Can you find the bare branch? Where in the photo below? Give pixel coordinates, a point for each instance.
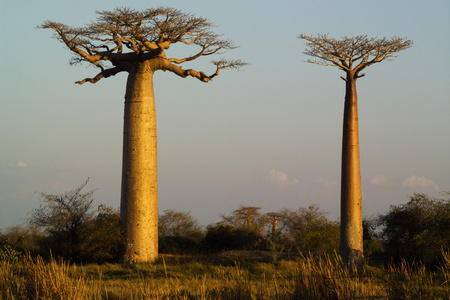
(125, 36)
(103, 74)
(352, 54)
(221, 64)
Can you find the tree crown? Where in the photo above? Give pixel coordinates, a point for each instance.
(352, 54)
(65, 212)
(122, 37)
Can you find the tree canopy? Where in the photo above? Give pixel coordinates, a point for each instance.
(123, 36)
(352, 54)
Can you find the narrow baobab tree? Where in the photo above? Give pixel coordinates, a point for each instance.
(136, 42)
(351, 55)
(274, 217)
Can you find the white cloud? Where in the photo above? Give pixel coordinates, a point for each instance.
(414, 181)
(379, 180)
(327, 183)
(279, 178)
(21, 164)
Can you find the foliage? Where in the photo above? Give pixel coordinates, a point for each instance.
(22, 239)
(73, 231)
(246, 217)
(179, 232)
(372, 242)
(180, 224)
(63, 217)
(242, 229)
(417, 230)
(102, 237)
(8, 253)
(308, 230)
(221, 237)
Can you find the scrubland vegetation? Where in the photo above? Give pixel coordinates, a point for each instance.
(69, 251)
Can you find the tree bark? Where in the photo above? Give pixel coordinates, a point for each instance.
(139, 196)
(351, 207)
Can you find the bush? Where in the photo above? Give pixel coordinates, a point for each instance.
(179, 233)
(178, 245)
(221, 237)
(102, 238)
(418, 230)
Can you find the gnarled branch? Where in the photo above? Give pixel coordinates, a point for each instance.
(221, 64)
(146, 35)
(103, 74)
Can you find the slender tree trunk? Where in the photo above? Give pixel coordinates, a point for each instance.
(351, 210)
(274, 229)
(139, 197)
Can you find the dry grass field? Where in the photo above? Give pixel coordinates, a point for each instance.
(231, 275)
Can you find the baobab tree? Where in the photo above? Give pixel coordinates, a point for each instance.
(247, 217)
(274, 217)
(351, 55)
(136, 42)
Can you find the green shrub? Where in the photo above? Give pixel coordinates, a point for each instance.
(221, 237)
(418, 230)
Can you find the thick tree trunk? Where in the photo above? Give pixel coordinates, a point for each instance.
(139, 197)
(351, 210)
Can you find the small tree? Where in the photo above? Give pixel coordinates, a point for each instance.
(136, 42)
(63, 217)
(351, 55)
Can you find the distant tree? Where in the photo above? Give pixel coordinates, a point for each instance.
(63, 217)
(181, 224)
(136, 42)
(419, 229)
(308, 230)
(351, 55)
(242, 229)
(246, 217)
(179, 232)
(101, 238)
(274, 217)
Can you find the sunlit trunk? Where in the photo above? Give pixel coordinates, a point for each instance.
(139, 197)
(351, 210)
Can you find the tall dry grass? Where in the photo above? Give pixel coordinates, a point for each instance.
(33, 278)
(305, 278)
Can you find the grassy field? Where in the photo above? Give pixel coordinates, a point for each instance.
(231, 275)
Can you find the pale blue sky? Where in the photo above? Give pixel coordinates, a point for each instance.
(269, 136)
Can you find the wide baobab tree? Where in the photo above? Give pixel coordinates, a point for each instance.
(352, 55)
(137, 42)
